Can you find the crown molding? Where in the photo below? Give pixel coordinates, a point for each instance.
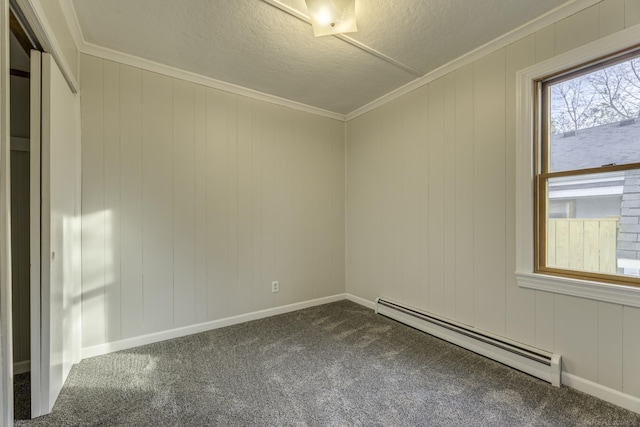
(156, 67)
(524, 30)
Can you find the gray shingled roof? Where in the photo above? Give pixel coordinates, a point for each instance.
(596, 146)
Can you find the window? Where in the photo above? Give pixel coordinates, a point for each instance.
(588, 191)
(587, 172)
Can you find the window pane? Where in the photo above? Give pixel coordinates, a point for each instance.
(593, 118)
(593, 223)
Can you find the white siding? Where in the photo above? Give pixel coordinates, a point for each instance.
(194, 200)
(466, 203)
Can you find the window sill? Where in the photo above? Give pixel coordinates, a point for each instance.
(616, 294)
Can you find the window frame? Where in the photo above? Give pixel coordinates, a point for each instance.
(528, 122)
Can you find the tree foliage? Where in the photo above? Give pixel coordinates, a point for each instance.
(605, 96)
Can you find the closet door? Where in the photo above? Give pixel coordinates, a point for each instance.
(59, 235)
(34, 206)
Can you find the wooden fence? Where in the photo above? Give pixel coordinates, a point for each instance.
(582, 244)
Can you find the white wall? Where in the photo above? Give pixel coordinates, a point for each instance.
(431, 209)
(194, 200)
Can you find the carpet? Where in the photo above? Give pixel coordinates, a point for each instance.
(337, 364)
(22, 396)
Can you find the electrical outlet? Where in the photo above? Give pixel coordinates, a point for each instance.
(275, 286)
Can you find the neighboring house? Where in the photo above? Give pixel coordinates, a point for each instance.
(615, 194)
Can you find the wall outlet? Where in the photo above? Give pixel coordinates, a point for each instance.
(275, 286)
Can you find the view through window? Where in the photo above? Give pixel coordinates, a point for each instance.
(588, 179)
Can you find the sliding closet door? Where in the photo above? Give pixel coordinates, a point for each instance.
(34, 206)
(60, 234)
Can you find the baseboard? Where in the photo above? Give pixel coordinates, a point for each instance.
(21, 367)
(538, 363)
(607, 394)
(361, 301)
(100, 349)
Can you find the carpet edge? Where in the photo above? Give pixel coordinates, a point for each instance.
(110, 347)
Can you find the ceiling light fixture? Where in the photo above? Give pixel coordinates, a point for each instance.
(329, 17)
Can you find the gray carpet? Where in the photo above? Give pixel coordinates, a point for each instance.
(22, 396)
(334, 365)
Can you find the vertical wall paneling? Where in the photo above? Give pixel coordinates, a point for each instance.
(231, 289)
(218, 268)
(267, 168)
(489, 192)
(544, 320)
(245, 207)
(449, 204)
(378, 178)
(464, 200)
(93, 203)
(194, 200)
(337, 226)
(112, 290)
(520, 308)
(363, 241)
(545, 43)
(631, 13)
(311, 208)
(422, 295)
(610, 333)
(322, 211)
(259, 285)
(131, 201)
(157, 196)
(184, 232)
(324, 230)
(315, 210)
(630, 351)
(611, 17)
(200, 206)
(576, 329)
(412, 170)
(435, 190)
(578, 29)
(299, 202)
(311, 211)
(391, 168)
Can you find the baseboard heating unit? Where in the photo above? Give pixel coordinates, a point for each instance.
(538, 363)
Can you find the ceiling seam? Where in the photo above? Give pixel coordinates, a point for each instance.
(378, 54)
(365, 48)
(87, 48)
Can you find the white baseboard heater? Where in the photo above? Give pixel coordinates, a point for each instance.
(535, 362)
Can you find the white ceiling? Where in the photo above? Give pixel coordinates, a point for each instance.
(257, 45)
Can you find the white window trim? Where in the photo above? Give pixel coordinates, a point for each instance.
(525, 95)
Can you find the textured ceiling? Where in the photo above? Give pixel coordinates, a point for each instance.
(256, 45)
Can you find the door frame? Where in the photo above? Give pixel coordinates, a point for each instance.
(6, 335)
